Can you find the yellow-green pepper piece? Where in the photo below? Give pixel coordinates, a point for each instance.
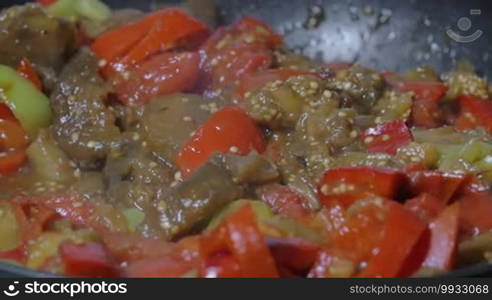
(30, 106)
(72, 10)
(262, 212)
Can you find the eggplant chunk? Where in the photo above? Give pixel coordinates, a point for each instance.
(194, 201)
(133, 176)
(168, 122)
(84, 126)
(360, 87)
(27, 32)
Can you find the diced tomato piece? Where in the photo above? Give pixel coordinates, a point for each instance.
(472, 185)
(444, 237)
(401, 232)
(378, 233)
(161, 75)
(251, 82)
(426, 206)
(230, 64)
(387, 137)
(441, 185)
(247, 31)
(426, 114)
(13, 141)
(70, 205)
(283, 200)
(87, 260)
(172, 28)
(362, 230)
(236, 51)
(27, 71)
(296, 255)
(475, 112)
(339, 65)
(17, 255)
(239, 236)
(222, 265)
(161, 267)
(131, 248)
(423, 90)
(229, 128)
(476, 210)
(6, 113)
(359, 182)
(46, 3)
(131, 44)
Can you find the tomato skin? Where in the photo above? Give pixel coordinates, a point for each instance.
(46, 3)
(229, 127)
(6, 113)
(294, 254)
(162, 267)
(426, 206)
(423, 90)
(165, 34)
(251, 82)
(401, 232)
(387, 137)
(69, 205)
(283, 200)
(475, 112)
(359, 182)
(444, 238)
(27, 71)
(476, 210)
(222, 265)
(230, 64)
(129, 45)
(439, 184)
(161, 75)
(239, 236)
(13, 141)
(87, 260)
(426, 114)
(236, 51)
(337, 66)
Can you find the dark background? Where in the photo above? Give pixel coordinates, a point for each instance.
(413, 34)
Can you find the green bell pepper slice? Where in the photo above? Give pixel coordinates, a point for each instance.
(30, 106)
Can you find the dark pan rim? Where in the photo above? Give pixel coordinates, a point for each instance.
(13, 271)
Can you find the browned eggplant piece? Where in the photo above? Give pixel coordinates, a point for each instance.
(83, 125)
(27, 32)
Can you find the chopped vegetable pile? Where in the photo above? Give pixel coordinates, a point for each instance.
(150, 145)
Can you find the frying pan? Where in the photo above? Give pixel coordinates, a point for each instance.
(382, 34)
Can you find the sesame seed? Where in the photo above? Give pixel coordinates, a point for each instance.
(187, 119)
(368, 140)
(354, 134)
(325, 190)
(102, 63)
(327, 94)
(152, 164)
(385, 137)
(314, 85)
(75, 137)
(126, 76)
(234, 149)
(178, 176)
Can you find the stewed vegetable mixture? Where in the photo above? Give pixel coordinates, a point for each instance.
(150, 145)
